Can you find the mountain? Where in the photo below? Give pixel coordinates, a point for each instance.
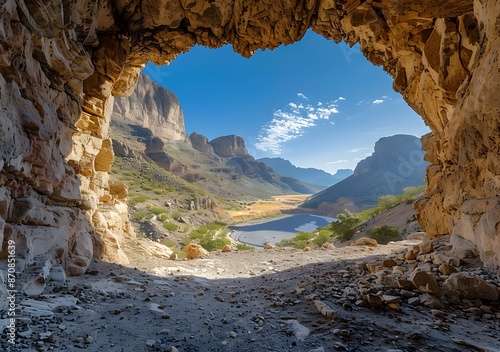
(153, 107)
(311, 175)
(151, 122)
(397, 162)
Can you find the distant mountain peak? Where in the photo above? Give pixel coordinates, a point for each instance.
(397, 162)
(311, 175)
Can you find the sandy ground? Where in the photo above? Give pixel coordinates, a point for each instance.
(241, 301)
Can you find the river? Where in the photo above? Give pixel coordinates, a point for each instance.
(273, 231)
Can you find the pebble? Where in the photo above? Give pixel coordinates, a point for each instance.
(232, 334)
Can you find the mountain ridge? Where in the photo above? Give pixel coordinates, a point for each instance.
(397, 162)
(311, 175)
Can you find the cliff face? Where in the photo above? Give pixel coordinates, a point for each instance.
(62, 62)
(229, 146)
(397, 162)
(153, 107)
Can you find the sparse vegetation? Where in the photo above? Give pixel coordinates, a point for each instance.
(212, 236)
(384, 234)
(170, 226)
(244, 247)
(157, 210)
(138, 198)
(140, 215)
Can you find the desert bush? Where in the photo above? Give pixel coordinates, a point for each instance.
(345, 225)
(176, 215)
(384, 234)
(170, 226)
(211, 244)
(157, 210)
(244, 247)
(138, 198)
(322, 238)
(140, 215)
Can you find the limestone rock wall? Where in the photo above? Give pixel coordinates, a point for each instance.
(61, 63)
(154, 107)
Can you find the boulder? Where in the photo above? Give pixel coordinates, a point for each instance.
(471, 287)
(426, 283)
(194, 251)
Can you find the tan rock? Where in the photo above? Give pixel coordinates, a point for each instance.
(226, 248)
(471, 287)
(387, 263)
(446, 269)
(194, 251)
(268, 246)
(328, 245)
(426, 283)
(365, 241)
(325, 309)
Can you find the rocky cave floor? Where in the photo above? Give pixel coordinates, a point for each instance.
(356, 298)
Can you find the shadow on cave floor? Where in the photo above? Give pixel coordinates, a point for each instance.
(240, 301)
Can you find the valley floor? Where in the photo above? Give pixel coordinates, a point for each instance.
(248, 301)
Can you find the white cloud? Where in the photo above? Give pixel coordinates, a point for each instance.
(337, 162)
(341, 98)
(291, 122)
(356, 150)
(377, 101)
(385, 97)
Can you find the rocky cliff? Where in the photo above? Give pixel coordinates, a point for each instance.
(397, 162)
(229, 146)
(61, 64)
(153, 107)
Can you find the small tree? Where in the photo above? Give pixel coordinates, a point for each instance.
(344, 227)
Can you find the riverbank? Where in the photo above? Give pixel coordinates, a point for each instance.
(257, 234)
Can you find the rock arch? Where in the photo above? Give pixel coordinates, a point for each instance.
(62, 61)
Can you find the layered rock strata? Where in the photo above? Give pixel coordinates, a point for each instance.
(61, 63)
(154, 108)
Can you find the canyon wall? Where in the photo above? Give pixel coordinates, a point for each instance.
(154, 107)
(61, 63)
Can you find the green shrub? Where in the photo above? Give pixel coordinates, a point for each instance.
(344, 227)
(244, 247)
(299, 244)
(170, 226)
(176, 215)
(322, 238)
(384, 234)
(138, 198)
(162, 217)
(211, 244)
(140, 215)
(157, 210)
(180, 254)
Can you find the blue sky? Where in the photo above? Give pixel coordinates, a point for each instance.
(315, 103)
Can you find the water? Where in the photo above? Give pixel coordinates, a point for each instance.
(274, 231)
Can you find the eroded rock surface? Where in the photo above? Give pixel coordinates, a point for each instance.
(61, 63)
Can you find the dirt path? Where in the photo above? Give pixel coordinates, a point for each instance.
(267, 300)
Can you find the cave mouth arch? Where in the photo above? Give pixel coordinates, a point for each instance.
(68, 59)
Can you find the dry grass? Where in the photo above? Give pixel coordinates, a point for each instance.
(263, 208)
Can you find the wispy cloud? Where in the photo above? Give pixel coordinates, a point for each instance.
(341, 98)
(356, 150)
(378, 101)
(337, 162)
(291, 122)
